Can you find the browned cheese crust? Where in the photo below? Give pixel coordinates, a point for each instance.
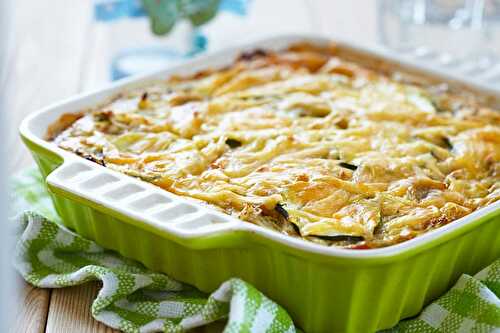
(304, 143)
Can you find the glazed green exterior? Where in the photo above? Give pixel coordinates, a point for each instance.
(322, 293)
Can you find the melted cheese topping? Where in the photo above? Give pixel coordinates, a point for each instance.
(304, 143)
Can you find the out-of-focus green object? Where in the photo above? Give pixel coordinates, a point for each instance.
(165, 13)
(200, 12)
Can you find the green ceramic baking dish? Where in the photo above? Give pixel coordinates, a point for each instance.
(324, 289)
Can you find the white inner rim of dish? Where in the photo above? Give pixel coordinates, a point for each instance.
(177, 215)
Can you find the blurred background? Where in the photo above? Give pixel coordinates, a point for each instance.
(63, 47)
(55, 49)
(7, 288)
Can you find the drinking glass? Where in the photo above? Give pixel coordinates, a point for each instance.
(453, 33)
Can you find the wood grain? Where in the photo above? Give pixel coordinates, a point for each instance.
(31, 308)
(70, 310)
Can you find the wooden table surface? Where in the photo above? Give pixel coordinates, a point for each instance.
(58, 51)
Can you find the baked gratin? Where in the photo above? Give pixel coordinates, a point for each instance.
(304, 143)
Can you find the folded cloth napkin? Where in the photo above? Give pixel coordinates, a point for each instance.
(135, 299)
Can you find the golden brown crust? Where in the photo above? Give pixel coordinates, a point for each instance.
(64, 121)
(305, 143)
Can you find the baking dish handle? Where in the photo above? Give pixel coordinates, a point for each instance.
(136, 201)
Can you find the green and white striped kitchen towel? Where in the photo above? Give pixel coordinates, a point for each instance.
(134, 299)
